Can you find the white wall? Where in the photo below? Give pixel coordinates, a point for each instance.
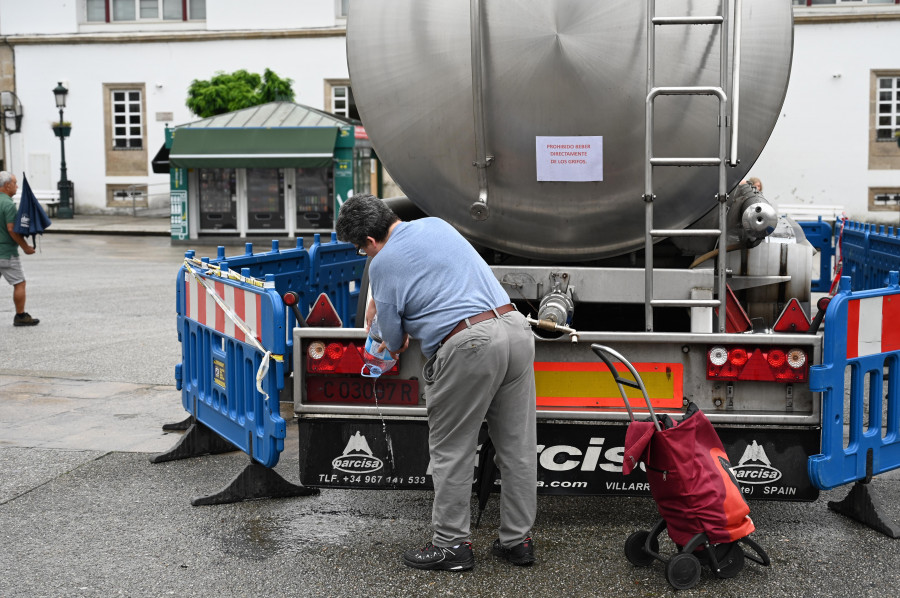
(21, 17)
(269, 14)
(819, 151)
(167, 69)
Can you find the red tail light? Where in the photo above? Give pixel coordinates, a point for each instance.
(333, 376)
(334, 351)
(738, 357)
(337, 357)
(772, 364)
(775, 358)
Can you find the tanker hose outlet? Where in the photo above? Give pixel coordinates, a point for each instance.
(758, 221)
(479, 211)
(556, 307)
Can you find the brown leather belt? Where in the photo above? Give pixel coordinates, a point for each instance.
(485, 315)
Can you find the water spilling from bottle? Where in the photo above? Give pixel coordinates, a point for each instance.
(376, 363)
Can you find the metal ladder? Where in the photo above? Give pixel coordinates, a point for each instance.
(721, 21)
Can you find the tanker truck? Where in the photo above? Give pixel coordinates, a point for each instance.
(593, 153)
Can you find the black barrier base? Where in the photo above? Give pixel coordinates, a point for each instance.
(865, 505)
(179, 426)
(199, 440)
(256, 481)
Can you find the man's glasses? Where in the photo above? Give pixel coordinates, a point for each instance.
(361, 251)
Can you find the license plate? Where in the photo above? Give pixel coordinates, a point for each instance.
(390, 391)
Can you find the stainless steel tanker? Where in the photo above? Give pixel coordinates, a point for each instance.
(454, 96)
(468, 105)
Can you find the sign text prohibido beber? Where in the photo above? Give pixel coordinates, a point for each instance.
(576, 159)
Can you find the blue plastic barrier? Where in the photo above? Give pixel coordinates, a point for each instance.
(218, 373)
(337, 271)
(869, 344)
(333, 268)
(820, 235)
(869, 253)
(289, 267)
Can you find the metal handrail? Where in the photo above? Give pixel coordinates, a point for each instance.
(735, 83)
(479, 209)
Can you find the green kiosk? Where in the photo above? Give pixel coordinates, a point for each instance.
(276, 170)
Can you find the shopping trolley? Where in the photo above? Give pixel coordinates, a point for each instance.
(697, 495)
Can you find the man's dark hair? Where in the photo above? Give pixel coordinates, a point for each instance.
(364, 216)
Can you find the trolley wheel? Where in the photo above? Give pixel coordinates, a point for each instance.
(683, 571)
(634, 548)
(731, 559)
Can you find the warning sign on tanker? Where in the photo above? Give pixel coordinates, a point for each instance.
(578, 159)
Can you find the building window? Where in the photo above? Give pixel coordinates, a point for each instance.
(126, 196)
(196, 10)
(105, 11)
(888, 108)
(847, 2)
(124, 128)
(341, 7)
(96, 11)
(339, 99)
(883, 199)
(341, 96)
(128, 128)
(884, 119)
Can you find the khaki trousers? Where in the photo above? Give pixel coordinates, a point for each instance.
(485, 372)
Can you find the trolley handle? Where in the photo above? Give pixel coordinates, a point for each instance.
(601, 351)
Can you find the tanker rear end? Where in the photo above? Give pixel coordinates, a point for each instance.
(467, 106)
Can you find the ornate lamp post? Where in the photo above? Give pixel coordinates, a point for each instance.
(62, 131)
(12, 122)
(12, 112)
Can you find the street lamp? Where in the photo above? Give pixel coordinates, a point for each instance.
(12, 112)
(65, 188)
(12, 123)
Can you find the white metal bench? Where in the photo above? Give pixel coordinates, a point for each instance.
(49, 200)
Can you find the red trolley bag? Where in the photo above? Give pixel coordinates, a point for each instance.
(696, 493)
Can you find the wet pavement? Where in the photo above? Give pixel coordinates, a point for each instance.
(143, 222)
(83, 511)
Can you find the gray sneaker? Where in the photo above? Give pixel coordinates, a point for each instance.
(24, 319)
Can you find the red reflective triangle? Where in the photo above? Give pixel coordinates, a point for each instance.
(792, 318)
(352, 361)
(323, 314)
(736, 319)
(757, 368)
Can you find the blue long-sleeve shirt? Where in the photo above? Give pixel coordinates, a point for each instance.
(425, 280)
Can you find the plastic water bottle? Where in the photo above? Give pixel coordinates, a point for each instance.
(376, 363)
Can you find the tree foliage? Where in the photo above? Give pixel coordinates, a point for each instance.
(226, 92)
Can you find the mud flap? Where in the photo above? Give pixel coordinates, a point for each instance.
(573, 459)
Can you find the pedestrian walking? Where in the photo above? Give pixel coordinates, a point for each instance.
(429, 283)
(10, 243)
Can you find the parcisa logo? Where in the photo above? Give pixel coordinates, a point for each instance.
(755, 467)
(357, 457)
